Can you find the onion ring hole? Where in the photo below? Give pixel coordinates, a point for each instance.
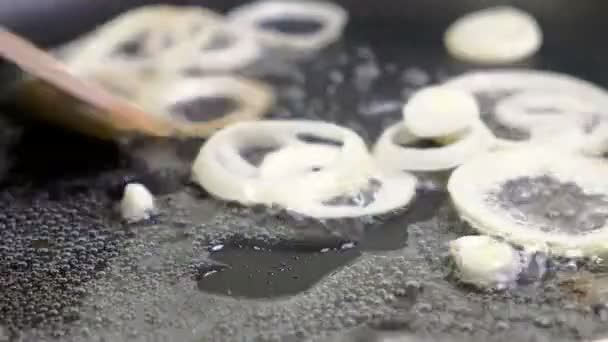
(291, 26)
(133, 47)
(208, 103)
(203, 109)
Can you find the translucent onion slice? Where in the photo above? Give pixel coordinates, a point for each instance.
(439, 111)
(535, 110)
(393, 153)
(494, 35)
(222, 170)
(501, 81)
(486, 262)
(151, 30)
(252, 98)
(473, 187)
(296, 161)
(331, 18)
(540, 102)
(228, 49)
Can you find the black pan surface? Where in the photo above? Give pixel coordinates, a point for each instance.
(207, 271)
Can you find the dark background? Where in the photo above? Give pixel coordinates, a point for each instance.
(576, 23)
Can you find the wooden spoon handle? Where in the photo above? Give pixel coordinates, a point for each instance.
(49, 90)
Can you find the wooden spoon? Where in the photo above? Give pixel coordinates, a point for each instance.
(44, 87)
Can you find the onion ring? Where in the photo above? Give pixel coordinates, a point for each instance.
(237, 49)
(156, 29)
(395, 190)
(466, 145)
(534, 110)
(525, 89)
(253, 100)
(331, 17)
(475, 188)
(439, 111)
(223, 171)
(494, 35)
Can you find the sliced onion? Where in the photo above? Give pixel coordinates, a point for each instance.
(396, 191)
(331, 17)
(534, 110)
(392, 153)
(296, 161)
(240, 50)
(439, 111)
(253, 100)
(471, 187)
(500, 81)
(221, 169)
(521, 93)
(486, 262)
(157, 29)
(494, 35)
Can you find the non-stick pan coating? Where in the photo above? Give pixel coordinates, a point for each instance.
(70, 270)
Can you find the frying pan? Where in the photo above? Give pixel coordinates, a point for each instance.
(70, 271)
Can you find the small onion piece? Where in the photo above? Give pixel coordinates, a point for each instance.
(394, 191)
(251, 17)
(542, 103)
(494, 35)
(222, 170)
(391, 150)
(137, 203)
(440, 111)
(486, 262)
(474, 185)
(253, 99)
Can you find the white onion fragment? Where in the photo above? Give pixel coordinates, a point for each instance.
(300, 175)
(440, 111)
(493, 36)
(393, 153)
(137, 203)
(253, 99)
(486, 262)
(470, 185)
(332, 19)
